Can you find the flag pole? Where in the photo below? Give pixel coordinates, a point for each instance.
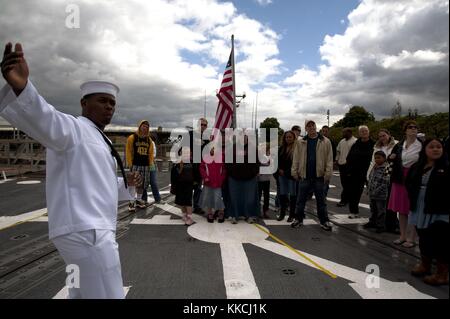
(256, 111)
(253, 114)
(234, 84)
(204, 110)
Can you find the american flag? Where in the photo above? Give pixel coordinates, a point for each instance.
(224, 114)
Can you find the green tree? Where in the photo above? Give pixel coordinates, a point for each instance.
(435, 125)
(357, 115)
(271, 122)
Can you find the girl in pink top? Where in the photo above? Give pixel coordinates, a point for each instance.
(212, 170)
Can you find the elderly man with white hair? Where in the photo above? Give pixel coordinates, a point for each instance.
(358, 161)
(82, 187)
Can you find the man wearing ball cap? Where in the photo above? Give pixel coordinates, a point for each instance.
(312, 166)
(82, 187)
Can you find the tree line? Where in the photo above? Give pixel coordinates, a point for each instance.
(435, 125)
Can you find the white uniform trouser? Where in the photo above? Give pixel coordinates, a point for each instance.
(96, 253)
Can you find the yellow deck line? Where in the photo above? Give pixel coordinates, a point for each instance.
(23, 221)
(329, 273)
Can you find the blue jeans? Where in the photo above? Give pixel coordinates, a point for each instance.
(306, 186)
(226, 198)
(154, 187)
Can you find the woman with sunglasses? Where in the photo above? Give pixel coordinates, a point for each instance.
(403, 156)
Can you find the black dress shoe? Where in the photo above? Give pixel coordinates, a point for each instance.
(280, 217)
(341, 204)
(290, 219)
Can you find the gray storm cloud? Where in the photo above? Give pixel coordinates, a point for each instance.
(399, 52)
(391, 51)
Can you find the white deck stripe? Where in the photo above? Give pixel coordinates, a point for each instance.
(331, 199)
(64, 293)
(273, 222)
(238, 276)
(7, 180)
(343, 219)
(7, 221)
(157, 220)
(387, 289)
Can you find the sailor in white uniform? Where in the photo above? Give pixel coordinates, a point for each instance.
(82, 186)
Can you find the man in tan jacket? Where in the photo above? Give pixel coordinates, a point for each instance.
(312, 166)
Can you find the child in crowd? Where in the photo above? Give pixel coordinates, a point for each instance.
(212, 170)
(185, 185)
(378, 193)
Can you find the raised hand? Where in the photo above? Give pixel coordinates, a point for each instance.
(15, 68)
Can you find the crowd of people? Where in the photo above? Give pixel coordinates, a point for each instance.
(401, 178)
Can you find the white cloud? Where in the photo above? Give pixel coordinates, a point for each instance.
(165, 53)
(263, 2)
(141, 46)
(408, 60)
(391, 50)
(301, 77)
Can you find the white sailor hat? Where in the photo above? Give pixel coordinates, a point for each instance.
(91, 87)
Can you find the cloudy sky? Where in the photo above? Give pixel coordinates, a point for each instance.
(298, 57)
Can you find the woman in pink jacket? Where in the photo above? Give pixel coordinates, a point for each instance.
(213, 174)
